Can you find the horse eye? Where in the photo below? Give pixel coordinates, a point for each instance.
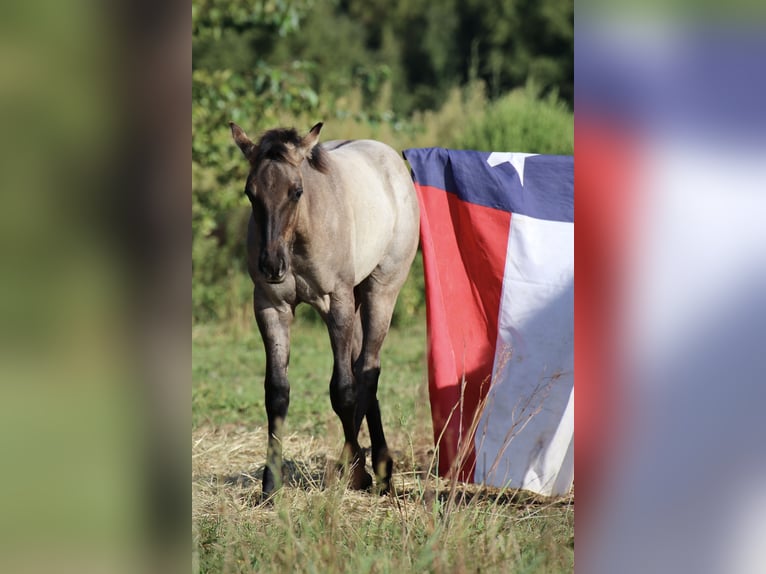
(298, 192)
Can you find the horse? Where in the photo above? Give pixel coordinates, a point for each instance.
(334, 225)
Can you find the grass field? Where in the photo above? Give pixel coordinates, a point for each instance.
(315, 524)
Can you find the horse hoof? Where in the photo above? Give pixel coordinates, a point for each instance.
(269, 487)
(361, 481)
(268, 494)
(383, 488)
(267, 499)
(384, 485)
(358, 478)
(384, 467)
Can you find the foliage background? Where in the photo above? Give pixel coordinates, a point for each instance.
(475, 74)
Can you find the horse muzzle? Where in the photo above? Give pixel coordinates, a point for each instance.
(273, 267)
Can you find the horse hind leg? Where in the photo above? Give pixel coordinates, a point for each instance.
(356, 345)
(376, 311)
(341, 320)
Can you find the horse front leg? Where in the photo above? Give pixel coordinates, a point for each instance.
(274, 324)
(343, 391)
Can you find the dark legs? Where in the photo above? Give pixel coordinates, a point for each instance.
(356, 342)
(343, 389)
(375, 318)
(274, 325)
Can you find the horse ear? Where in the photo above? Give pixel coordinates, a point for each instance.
(311, 139)
(240, 138)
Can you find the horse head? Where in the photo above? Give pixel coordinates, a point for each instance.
(275, 187)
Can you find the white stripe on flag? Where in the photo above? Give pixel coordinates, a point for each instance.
(526, 432)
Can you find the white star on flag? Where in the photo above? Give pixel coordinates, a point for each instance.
(515, 159)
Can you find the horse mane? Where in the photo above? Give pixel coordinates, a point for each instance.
(273, 145)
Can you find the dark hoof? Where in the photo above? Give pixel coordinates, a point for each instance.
(358, 478)
(271, 484)
(384, 467)
(361, 481)
(268, 494)
(267, 499)
(384, 486)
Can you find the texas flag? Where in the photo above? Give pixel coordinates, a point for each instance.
(497, 234)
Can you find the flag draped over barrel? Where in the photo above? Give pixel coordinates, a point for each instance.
(497, 235)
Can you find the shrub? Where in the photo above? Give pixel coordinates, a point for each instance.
(521, 121)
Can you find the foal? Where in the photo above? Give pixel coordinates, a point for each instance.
(336, 226)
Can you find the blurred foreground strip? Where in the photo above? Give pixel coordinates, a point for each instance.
(671, 296)
(89, 306)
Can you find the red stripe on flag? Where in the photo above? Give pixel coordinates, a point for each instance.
(464, 251)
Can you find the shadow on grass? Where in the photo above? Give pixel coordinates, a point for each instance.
(307, 475)
(416, 485)
(476, 493)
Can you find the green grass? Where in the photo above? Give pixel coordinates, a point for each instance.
(317, 525)
(228, 369)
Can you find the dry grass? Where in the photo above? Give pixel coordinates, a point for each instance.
(315, 524)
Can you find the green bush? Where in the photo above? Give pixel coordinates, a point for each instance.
(521, 121)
